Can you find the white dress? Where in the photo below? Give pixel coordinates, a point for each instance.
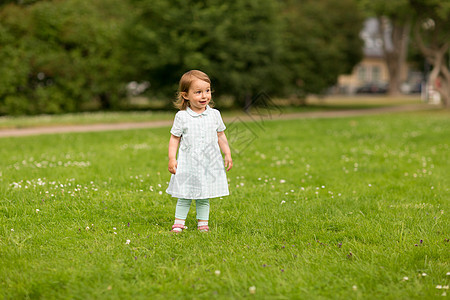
(200, 172)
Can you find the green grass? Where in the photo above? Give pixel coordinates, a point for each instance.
(314, 104)
(325, 208)
(83, 119)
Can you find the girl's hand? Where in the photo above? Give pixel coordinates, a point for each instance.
(228, 162)
(173, 166)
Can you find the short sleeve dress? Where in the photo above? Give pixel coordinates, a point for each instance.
(200, 172)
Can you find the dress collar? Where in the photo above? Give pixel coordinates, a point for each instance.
(194, 114)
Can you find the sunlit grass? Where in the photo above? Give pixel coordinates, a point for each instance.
(332, 208)
(314, 104)
(83, 119)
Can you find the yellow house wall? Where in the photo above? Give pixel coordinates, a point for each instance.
(370, 69)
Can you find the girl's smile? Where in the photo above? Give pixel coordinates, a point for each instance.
(199, 95)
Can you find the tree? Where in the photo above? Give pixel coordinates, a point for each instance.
(432, 35)
(61, 56)
(18, 2)
(322, 41)
(236, 42)
(395, 19)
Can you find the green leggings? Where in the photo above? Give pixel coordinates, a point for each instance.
(183, 206)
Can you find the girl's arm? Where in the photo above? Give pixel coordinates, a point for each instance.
(173, 147)
(223, 144)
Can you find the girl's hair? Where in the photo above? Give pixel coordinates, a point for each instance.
(185, 83)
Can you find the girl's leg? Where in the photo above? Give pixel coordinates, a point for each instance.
(202, 206)
(181, 213)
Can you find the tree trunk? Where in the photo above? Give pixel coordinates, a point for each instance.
(248, 102)
(444, 79)
(395, 37)
(105, 101)
(440, 74)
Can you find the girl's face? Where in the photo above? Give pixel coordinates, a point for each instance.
(199, 95)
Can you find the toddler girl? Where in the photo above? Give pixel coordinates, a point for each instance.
(197, 133)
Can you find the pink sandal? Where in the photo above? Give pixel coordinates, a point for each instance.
(203, 228)
(176, 226)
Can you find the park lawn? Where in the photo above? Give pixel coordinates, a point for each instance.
(314, 105)
(86, 118)
(350, 208)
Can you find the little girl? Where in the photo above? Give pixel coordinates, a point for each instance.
(197, 133)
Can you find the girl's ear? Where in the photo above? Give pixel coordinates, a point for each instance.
(184, 96)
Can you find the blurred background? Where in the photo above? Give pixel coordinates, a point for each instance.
(109, 55)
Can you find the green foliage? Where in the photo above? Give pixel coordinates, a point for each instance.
(322, 42)
(436, 33)
(60, 56)
(247, 46)
(63, 56)
(342, 208)
(18, 2)
(397, 10)
(237, 43)
(247, 49)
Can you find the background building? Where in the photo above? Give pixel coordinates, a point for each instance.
(371, 74)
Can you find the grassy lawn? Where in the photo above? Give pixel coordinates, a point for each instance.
(349, 208)
(314, 104)
(83, 119)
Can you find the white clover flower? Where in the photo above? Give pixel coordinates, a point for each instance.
(37, 210)
(12, 229)
(448, 274)
(424, 274)
(217, 272)
(127, 242)
(355, 288)
(405, 278)
(282, 181)
(87, 227)
(282, 202)
(252, 289)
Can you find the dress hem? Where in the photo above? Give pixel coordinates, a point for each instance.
(200, 197)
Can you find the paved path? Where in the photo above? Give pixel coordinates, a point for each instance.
(245, 118)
